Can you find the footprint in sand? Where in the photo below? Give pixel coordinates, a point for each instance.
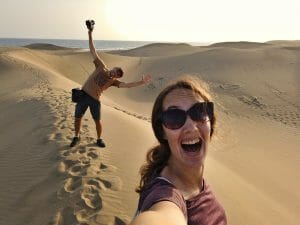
(107, 168)
(72, 184)
(57, 136)
(82, 149)
(75, 149)
(85, 160)
(103, 166)
(84, 216)
(63, 126)
(65, 153)
(91, 196)
(93, 155)
(106, 183)
(69, 163)
(97, 183)
(90, 139)
(113, 182)
(65, 216)
(78, 170)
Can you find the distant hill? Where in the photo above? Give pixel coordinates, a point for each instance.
(240, 44)
(43, 46)
(158, 49)
(295, 43)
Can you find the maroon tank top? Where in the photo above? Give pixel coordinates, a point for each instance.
(203, 209)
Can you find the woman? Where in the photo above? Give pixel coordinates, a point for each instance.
(172, 188)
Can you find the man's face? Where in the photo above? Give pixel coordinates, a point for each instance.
(115, 72)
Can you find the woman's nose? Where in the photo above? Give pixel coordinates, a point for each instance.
(190, 124)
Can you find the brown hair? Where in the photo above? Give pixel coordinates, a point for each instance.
(120, 72)
(158, 156)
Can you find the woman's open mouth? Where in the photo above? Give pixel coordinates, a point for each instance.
(193, 145)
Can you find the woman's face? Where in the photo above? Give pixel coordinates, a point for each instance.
(189, 143)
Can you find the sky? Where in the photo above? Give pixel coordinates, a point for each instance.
(153, 20)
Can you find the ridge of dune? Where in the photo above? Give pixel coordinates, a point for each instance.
(158, 49)
(294, 43)
(44, 46)
(240, 44)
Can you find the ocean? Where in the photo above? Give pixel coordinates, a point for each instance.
(83, 44)
(105, 45)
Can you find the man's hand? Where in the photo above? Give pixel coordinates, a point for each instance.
(90, 25)
(146, 79)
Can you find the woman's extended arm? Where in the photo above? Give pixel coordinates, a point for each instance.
(161, 213)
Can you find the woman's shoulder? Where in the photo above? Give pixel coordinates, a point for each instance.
(205, 195)
(207, 203)
(160, 189)
(158, 186)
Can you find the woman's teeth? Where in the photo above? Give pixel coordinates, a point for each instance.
(193, 145)
(190, 142)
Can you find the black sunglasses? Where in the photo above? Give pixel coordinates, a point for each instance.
(175, 118)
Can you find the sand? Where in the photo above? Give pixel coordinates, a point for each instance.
(254, 160)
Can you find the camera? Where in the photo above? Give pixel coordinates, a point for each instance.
(90, 24)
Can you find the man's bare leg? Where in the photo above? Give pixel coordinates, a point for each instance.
(76, 139)
(98, 128)
(77, 125)
(100, 142)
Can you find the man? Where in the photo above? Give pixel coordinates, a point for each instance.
(101, 79)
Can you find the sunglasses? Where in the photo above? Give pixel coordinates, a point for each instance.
(175, 118)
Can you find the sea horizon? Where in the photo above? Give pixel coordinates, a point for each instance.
(106, 45)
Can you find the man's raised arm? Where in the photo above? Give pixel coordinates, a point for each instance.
(92, 46)
(96, 58)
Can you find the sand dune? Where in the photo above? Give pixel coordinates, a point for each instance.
(156, 50)
(253, 164)
(76, 185)
(285, 43)
(241, 44)
(45, 47)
